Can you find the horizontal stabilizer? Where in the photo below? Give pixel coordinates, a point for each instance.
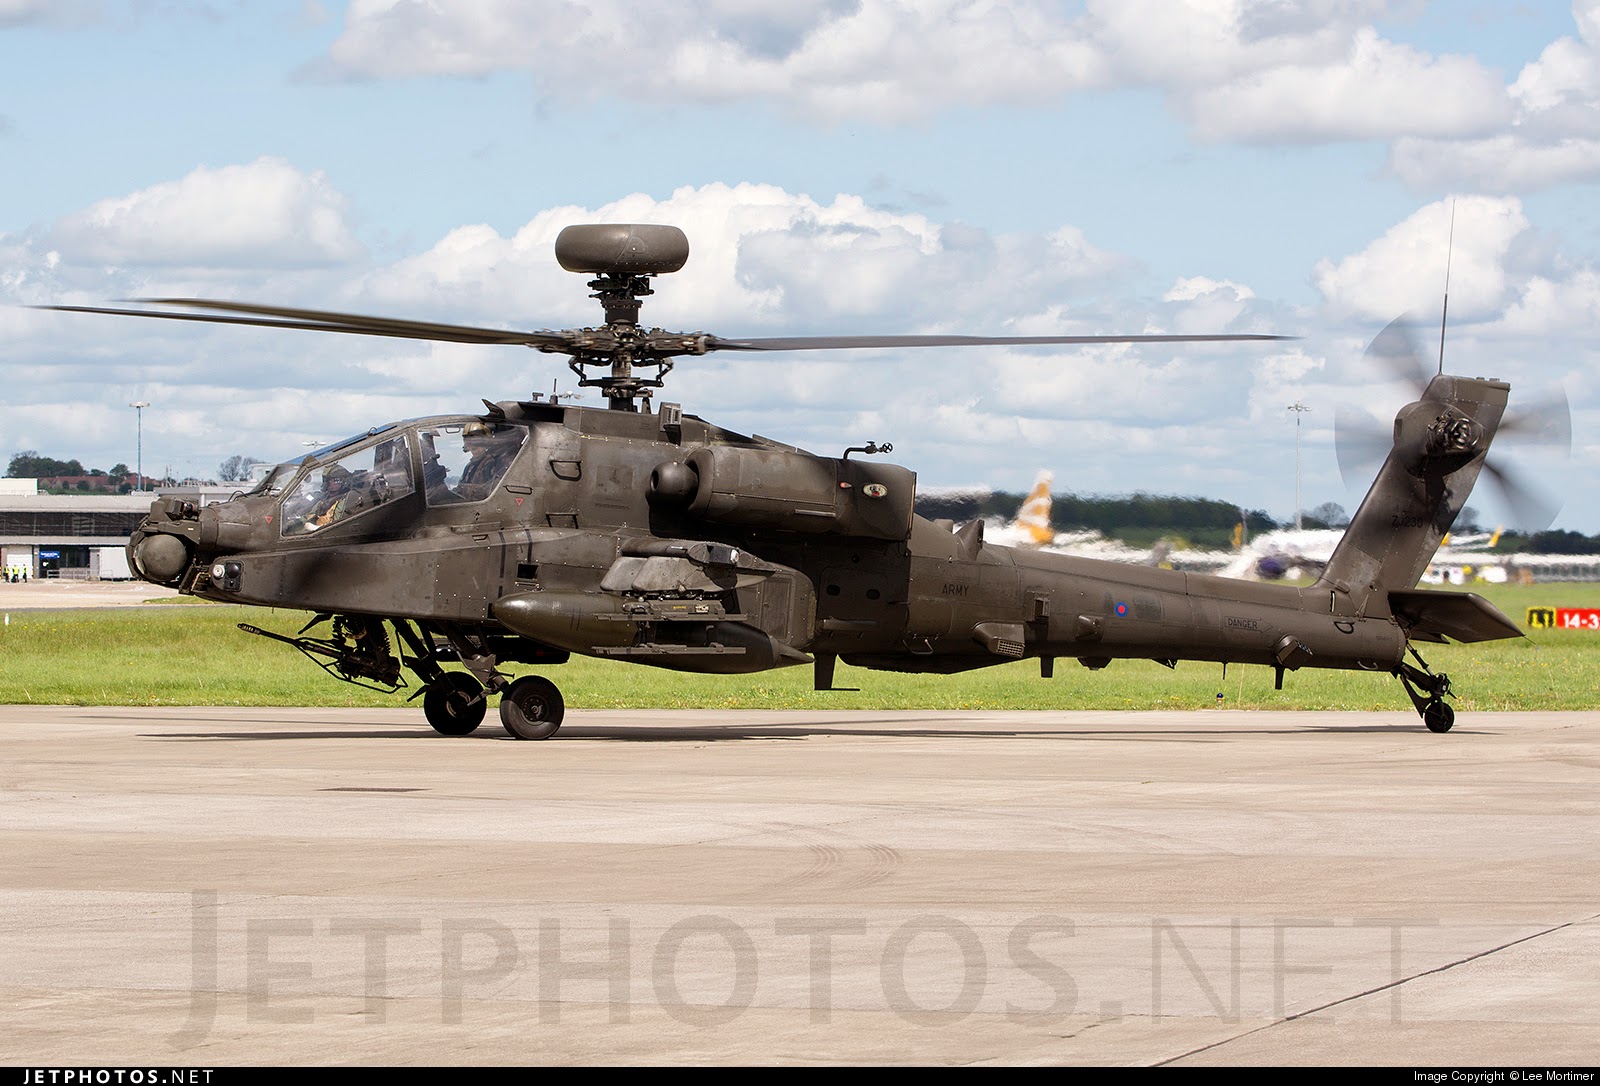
(1460, 616)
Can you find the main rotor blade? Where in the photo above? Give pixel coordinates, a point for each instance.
(832, 343)
(316, 320)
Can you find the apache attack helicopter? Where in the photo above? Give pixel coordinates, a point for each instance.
(538, 529)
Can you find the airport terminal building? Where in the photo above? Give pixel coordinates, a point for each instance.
(77, 536)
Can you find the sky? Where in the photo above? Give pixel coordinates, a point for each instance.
(991, 167)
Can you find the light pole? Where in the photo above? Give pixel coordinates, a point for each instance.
(1299, 409)
(138, 412)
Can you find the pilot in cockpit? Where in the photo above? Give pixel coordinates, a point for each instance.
(488, 459)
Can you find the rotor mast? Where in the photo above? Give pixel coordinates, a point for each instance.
(623, 259)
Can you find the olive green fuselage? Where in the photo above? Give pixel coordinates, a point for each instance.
(616, 533)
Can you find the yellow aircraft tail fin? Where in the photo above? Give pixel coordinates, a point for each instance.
(1034, 516)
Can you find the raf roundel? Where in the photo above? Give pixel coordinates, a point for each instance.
(1121, 609)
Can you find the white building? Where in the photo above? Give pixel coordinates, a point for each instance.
(80, 536)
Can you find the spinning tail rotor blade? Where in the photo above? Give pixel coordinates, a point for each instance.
(1533, 508)
(1396, 354)
(1360, 441)
(1546, 422)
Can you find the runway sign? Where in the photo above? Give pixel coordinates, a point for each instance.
(1564, 618)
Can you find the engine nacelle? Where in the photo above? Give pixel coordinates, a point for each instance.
(789, 491)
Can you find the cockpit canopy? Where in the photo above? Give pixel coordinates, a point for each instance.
(457, 460)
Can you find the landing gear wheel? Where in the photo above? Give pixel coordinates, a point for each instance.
(532, 708)
(1438, 716)
(455, 705)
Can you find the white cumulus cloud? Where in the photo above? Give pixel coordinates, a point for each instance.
(1235, 69)
(761, 258)
(1552, 136)
(1405, 269)
(263, 213)
(1377, 90)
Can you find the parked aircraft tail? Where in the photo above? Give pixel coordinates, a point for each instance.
(1034, 516)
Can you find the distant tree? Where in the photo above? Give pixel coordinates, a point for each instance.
(953, 506)
(1153, 511)
(30, 465)
(1256, 520)
(1467, 520)
(1562, 542)
(1141, 516)
(236, 468)
(20, 463)
(1326, 515)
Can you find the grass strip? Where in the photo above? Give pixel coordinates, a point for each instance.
(196, 656)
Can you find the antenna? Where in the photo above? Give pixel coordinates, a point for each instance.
(1299, 409)
(1449, 250)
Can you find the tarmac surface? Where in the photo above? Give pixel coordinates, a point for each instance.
(206, 887)
(49, 595)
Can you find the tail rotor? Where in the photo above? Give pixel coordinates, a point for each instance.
(1362, 441)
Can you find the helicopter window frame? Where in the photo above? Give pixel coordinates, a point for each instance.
(360, 480)
(277, 480)
(489, 448)
(320, 456)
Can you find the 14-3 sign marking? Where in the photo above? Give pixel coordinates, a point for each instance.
(1564, 618)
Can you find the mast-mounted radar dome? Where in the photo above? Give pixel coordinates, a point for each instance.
(621, 249)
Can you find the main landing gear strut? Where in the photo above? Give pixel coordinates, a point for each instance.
(455, 702)
(1427, 692)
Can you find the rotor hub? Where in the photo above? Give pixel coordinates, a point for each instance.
(1453, 435)
(624, 258)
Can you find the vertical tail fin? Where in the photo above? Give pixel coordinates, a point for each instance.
(1439, 445)
(1034, 516)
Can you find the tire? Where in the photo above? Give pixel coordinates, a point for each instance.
(455, 705)
(1438, 716)
(532, 708)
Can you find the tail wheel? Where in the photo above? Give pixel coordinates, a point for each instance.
(1438, 716)
(532, 708)
(455, 705)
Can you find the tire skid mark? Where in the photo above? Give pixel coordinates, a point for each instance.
(849, 860)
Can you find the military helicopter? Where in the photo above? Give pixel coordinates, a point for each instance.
(537, 529)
